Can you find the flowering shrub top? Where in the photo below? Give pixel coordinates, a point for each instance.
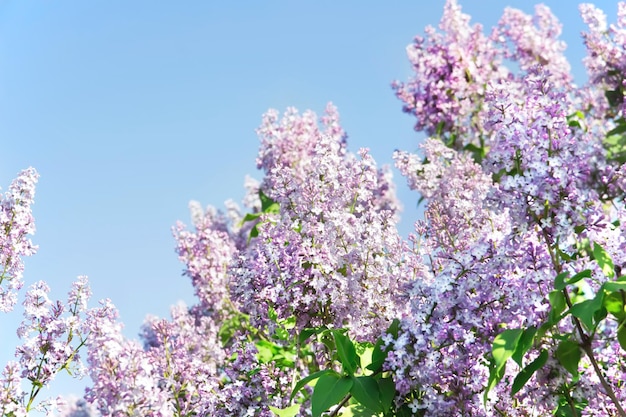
(507, 300)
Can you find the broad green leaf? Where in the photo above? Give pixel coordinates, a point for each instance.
(346, 351)
(365, 390)
(266, 351)
(330, 389)
(328, 340)
(620, 128)
(394, 328)
(281, 334)
(305, 334)
(525, 343)
(495, 376)
(558, 304)
(267, 204)
(300, 384)
(621, 335)
(568, 355)
(543, 329)
(366, 357)
(577, 277)
(357, 410)
(504, 345)
(559, 281)
(378, 356)
(522, 378)
(249, 217)
(614, 97)
(604, 260)
(614, 304)
(290, 411)
(387, 392)
(614, 285)
(586, 310)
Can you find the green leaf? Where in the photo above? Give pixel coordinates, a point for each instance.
(366, 391)
(249, 217)
(582, 274)
(387, 390)
(266, 351)
(604, 260)
(327, 339)
(329, 390)
(568, 355)
(267, 204)
(558, 304)
(525, 343)
(502, 348)
(346, 351)
(290, 411)
(621, 336)
(586, 310)
(306, 333)
(614, 304)
(308, 379)
(614, 97)
(614, 285)
(504, 345)
(378, 356)
(620, 128)
(522, 378)
(495, 376)
(559, 281)
(357, 410)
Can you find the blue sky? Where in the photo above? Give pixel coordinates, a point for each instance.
(128, 110)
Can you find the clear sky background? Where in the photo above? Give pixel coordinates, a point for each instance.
(129, 109)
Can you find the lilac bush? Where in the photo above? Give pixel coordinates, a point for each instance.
(508, 299)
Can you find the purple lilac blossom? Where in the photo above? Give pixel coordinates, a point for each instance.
(53, 335)
(452, 70)
(606, 51)
(16, 223)
(76, 407)
(332, 256)
(492, 230)
(207, 253)
(532, 40)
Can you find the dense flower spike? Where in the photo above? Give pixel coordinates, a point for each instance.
(16, 223)
(332, 256)
(606, 46)
(207, 253)
(53, 335)
(76, 407)
(452, 70)
(533, 40)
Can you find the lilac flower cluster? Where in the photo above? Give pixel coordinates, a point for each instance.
(53, 334)
(606, 46)
(77, 407)
(455, 67)
(332, 256)
(16, 223)
(500, 225)
(473, 283)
